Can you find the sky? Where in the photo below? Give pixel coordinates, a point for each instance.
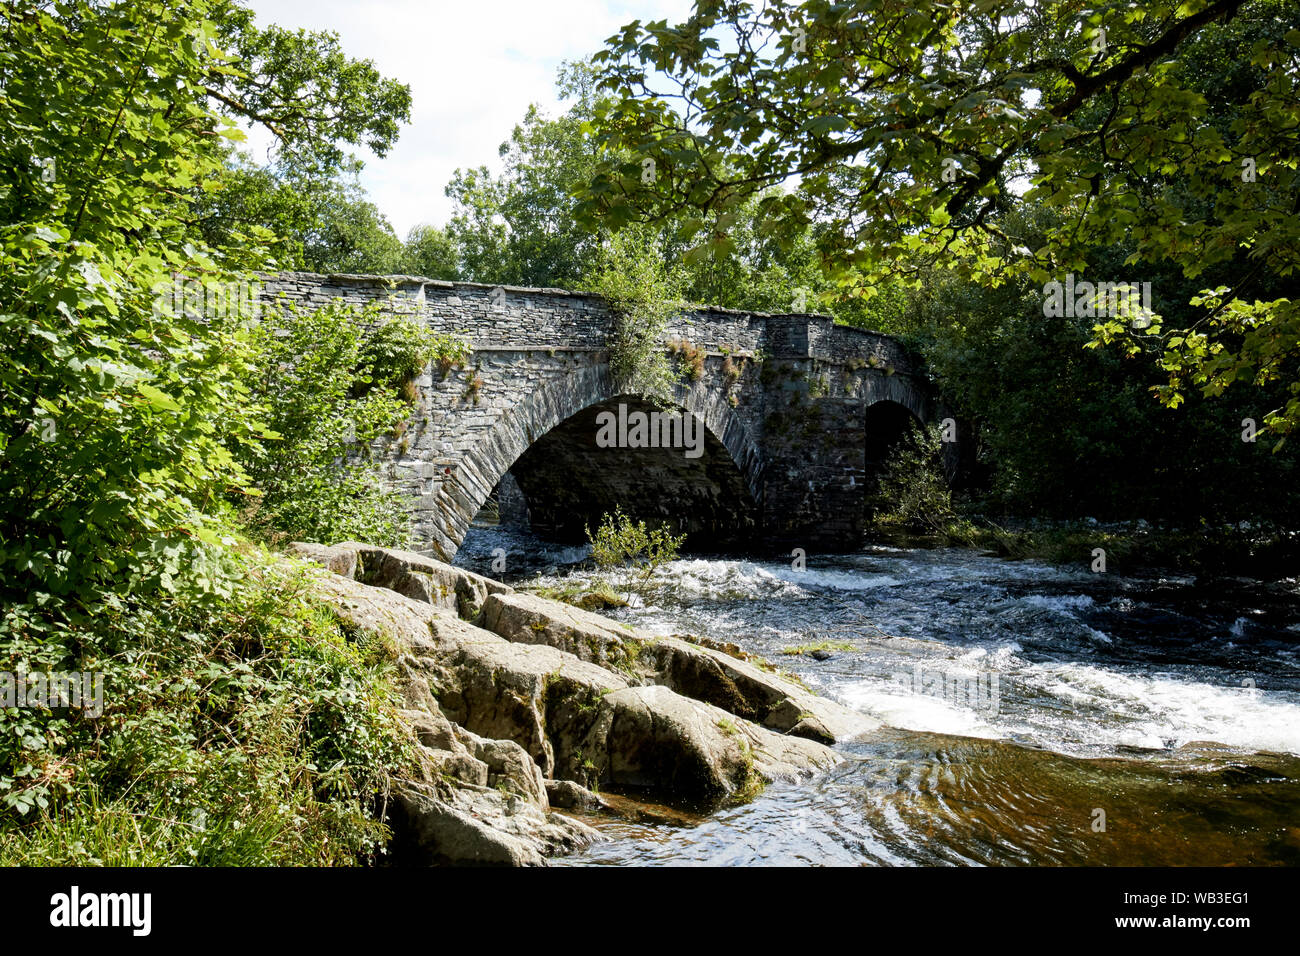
(473, 66)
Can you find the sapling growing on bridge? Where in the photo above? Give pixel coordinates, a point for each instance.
(644, 296)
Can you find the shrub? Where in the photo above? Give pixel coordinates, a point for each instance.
(393, 353)
(632, 278)
(912, 493)
(621, 543)
(333, 381)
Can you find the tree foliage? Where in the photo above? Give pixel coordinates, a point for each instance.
(644, 295)
(911, 129)
(519, 228)
(116, 419)
(912, 493)
(125, 414)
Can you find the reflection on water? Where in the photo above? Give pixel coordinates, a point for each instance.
(1023, 702)
(910, 798)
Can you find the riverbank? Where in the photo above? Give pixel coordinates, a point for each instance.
(1130, 547)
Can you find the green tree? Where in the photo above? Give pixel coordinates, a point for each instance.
(519, 228)
(313, 217)
(302, 87)
(115, 417)
(911, 129)
(123, 416)
(430, 252)
(645, 295)
(119, 413)
(305, 203)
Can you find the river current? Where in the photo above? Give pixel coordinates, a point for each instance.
(1032, 714)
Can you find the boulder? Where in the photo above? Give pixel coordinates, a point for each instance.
(474, 797)
(536, 695)
(529, 619)
(748, 690)
(659, 740)
(567, 795)
(461, 825)
(575, 719)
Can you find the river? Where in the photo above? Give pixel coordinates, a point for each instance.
(1033, 714)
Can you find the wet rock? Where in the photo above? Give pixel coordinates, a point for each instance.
(748, 690)
(567, 795)
(659, 739)
(810, 728)
(640, 810)
(714, 676)
(727, 647)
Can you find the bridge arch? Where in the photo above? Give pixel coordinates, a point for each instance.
(886, 423)
(891, 408)
(547, 440)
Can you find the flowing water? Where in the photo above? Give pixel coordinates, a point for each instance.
(1032, 714)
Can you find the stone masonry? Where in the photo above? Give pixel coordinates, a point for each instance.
(790, 403)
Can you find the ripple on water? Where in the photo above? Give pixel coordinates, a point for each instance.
(928, 799)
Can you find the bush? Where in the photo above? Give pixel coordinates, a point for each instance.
(245, 729)
(621, 543)
(912, 493)
(333, 382)
(395, 352)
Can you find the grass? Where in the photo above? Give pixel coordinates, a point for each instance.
(690, 358)
(598, 597)
(117, 832)
(800, 649)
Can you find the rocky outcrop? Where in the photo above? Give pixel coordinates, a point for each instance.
(568, 795)
(407, 573)
(513, 701)
(737, 686)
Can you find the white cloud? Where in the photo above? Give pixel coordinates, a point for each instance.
(474, 66)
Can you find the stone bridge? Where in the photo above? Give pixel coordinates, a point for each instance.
(797, 414)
